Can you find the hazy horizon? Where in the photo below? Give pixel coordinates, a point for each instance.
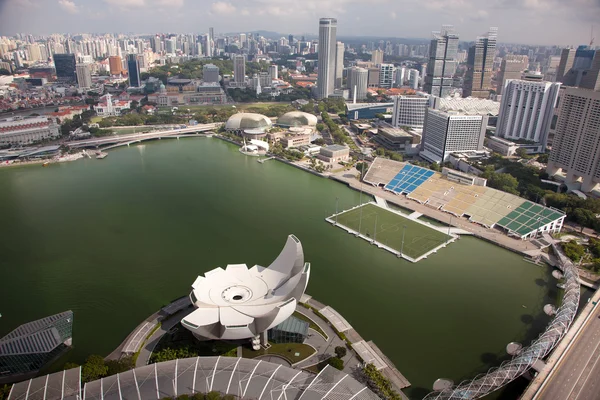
(532, 22)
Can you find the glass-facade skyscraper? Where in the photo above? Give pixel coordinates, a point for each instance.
(65, 67)
(442, 62)
(133, 69)
(478, 79)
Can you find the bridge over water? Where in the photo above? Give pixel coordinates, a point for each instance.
(122, 140)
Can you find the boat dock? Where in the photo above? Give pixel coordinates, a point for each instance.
(262, 160)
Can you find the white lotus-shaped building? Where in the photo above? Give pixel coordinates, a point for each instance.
(239, 303)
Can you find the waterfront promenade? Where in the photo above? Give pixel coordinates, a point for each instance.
(339, 333)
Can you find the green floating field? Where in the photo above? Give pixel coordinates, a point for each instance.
(418, 238)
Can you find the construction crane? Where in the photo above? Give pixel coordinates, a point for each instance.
(592, 36)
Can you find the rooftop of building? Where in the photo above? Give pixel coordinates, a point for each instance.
(360, 106)
(336, 147)
(468, 105)
(393, 131)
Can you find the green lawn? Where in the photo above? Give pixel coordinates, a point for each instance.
(311, 324)
(418, 239)
(238, 106)
(95, 120)
(285, 350)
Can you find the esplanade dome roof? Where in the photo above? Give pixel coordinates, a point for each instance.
(248, 121)
(297, 118)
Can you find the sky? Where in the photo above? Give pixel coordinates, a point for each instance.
(545, 22)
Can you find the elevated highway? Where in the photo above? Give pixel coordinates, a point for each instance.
(120, 140)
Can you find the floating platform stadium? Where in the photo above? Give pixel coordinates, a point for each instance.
(464, 195)
(405, 237)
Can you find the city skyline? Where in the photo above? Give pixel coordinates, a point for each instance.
(521, 21)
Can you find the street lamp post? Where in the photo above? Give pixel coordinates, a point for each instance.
(336, 209)
(375, 230)
(402, 247)
(449, 225)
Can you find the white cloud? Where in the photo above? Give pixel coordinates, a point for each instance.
(126, 4)
(68, 6)
(170, 3)
(222, 7)
(393, 15)
(245, 11)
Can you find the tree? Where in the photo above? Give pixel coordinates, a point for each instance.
(4, 391)
(573, 250)
(543, 158)
(340, 351)
(118, 366)
(505, 182)
(521, 152)
(70, 365)
(320, 127)
(380, 151)
(336, 362)
(93, 368)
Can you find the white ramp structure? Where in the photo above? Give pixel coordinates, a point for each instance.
(240, 303)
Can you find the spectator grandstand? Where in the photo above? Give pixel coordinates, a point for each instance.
(480, 204)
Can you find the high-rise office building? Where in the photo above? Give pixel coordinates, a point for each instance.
(386, 75)
(374, 74)
(567, 56)
(208, 45)
(441, 66)
(357, 82)
(591, 78)
(377, 56)
(445, 133)
(115, 65)
(211, 34)
(512, 67)
(65, 67)
(210, 73)
(326, 57)
(84, 76)
(291, 39)
(239, 69)
(133, 69)
(413, 78)
(171, 45)
(274, 71)
(480, 63)
(339, 65)
(400, 77)
(410, 110)
(577, 139)
(578, 64)
(526, 110)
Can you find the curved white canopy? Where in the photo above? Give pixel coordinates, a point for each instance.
(239, 303)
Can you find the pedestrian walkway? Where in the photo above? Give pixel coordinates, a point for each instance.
(414, 215)
(381, 202)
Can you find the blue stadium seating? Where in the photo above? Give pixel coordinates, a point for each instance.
(408, 179)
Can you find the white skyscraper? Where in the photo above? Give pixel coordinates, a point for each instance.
(273, 71)
(448, 132)
(327, 56)
(413, 78)
(577, 139)
(357, 82)
(526, 110)
(84, 76)
(410, 110)
(339, 65)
